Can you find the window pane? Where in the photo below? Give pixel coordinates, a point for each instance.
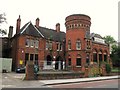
(31, 57)
(60, 46)
(36, 59)
(32, 43)
(27, 42)
(47, 46)
(105, 58)
(69, 45)
(78, 61)
(78, 45)
(36, 43)
(69, 61)
(94, 57)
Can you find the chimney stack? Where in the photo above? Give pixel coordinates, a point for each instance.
(37, 22)
(18, 25)
(58, 27)
(10, 32)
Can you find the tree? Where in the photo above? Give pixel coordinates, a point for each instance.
(109, 39)
(2, 20)
(115, 56)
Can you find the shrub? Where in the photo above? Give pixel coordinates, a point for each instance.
(108, 68)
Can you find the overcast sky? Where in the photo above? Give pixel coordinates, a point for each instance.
(103, 13)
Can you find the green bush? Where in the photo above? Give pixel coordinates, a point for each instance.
(108, 68)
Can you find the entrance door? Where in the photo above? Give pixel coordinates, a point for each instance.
(59, 63)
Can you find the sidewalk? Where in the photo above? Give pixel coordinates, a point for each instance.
(65, 81)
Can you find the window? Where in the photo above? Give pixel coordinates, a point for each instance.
(27, 42)
(100, 57)
(57, 46)
(69, 45)
(78, 44)
(32, 43)
(49, 60)
(78, 61)
(88, 44)
(50, 45)
(36, 59)
(31, 57)
(47, 45)
(69, 61)
(87, 59)
(105, 58)
(60, 47)
(94, 57)
(36, 43)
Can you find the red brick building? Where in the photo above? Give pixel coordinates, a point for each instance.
(53, 49)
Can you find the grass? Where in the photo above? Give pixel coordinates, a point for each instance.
(115, 70)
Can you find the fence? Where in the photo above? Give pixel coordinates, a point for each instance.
(47, 65)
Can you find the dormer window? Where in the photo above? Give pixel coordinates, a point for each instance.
(59, 46)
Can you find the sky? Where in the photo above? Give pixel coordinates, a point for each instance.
(103, 13)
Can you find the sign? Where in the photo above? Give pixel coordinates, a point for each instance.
(21, 62)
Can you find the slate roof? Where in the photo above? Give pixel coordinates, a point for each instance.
(95, 35)
(92, 35)
(30, 29)
(52, 34)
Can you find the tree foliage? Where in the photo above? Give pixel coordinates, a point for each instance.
(3, 19)
(115, 56)
(109, 39)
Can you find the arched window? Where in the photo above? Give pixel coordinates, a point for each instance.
(105, 56)
(69, 60)
(87, 58)
(78, 60)
(69, 45)
(100, 56)
(94, 55)
(78, 44)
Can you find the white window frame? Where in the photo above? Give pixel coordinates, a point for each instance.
(27, 42)
(36, 43)
(69, 44)
(78, 45)
(31, 43)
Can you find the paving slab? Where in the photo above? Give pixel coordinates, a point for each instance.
(77, 80)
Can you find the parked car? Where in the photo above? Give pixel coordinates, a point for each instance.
(20, 70)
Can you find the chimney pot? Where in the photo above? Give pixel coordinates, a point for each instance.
(37, 22)
(10, 32)
(18, 24)
(58, 27)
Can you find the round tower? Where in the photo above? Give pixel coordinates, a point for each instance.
(77, 36)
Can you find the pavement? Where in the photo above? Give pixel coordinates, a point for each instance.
(16, 80)
(77, 80)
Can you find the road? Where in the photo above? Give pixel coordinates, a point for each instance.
(94, 84)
